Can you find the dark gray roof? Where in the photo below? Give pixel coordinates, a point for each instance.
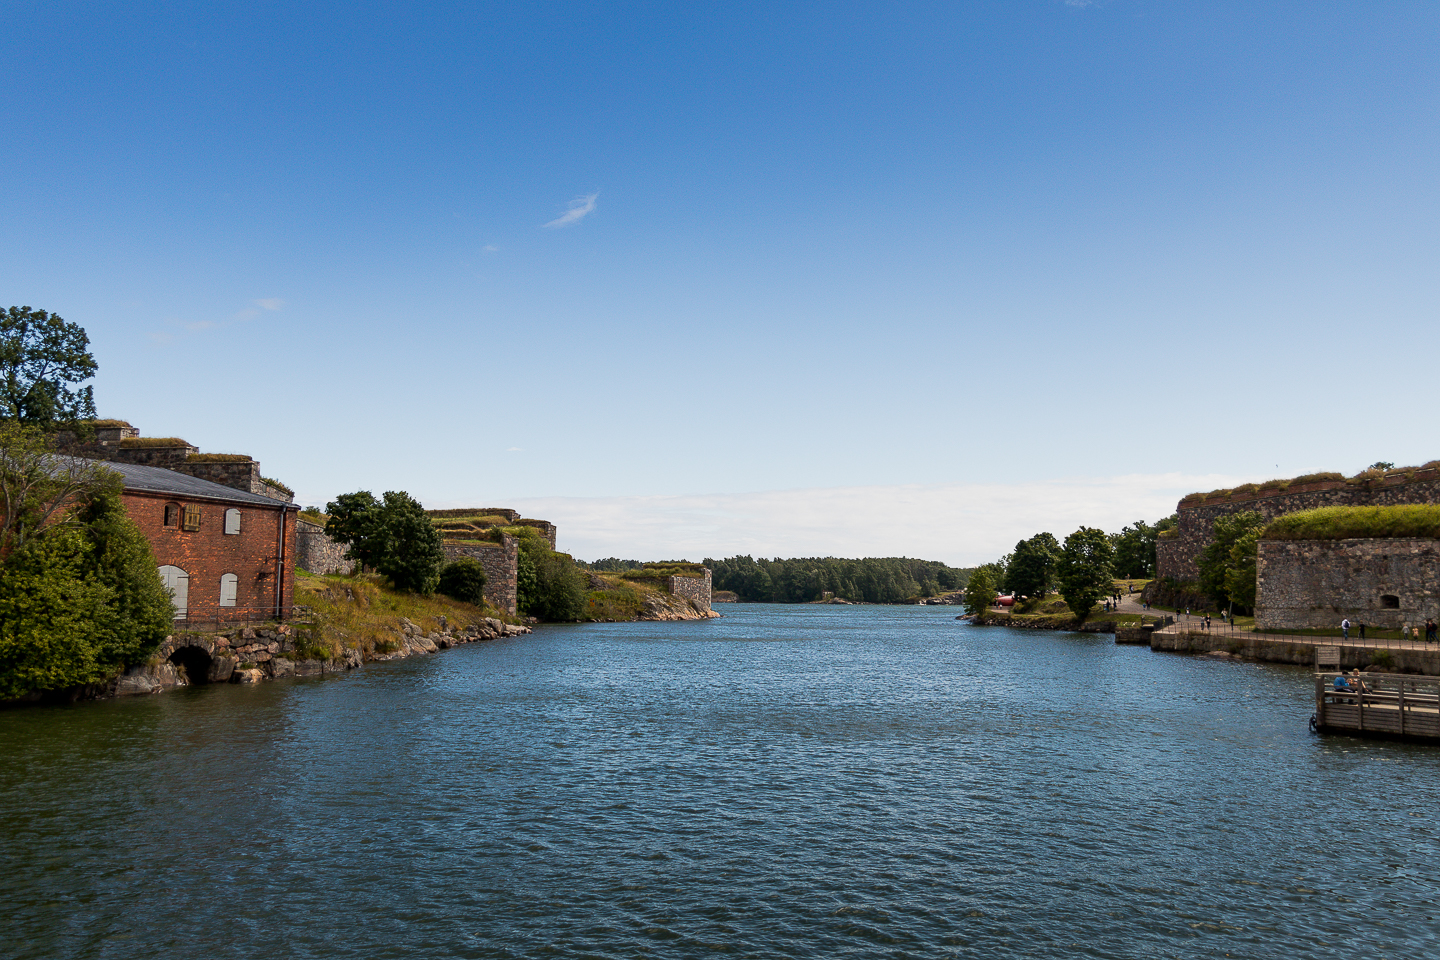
(160, 480)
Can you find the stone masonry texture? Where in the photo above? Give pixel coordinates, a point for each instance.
(1178, 556)
(694, 589)
(1316, 583)
(502, 564)
(317, 553)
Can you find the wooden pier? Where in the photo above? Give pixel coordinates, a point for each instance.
(1396, 705)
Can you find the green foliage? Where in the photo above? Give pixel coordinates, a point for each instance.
(1031, 569)
(548, 584)
(1419, 521)
(610, 565)
(802, 580)
(283, 488)
(1135, 550)
(37, 489)
(81, 601)
(1085, 570)
(464, 580)
(148, 442)
(216, 457)
(41, 355)
(1215, 561)
(393, 536)
(1240, 573)
(979, 591)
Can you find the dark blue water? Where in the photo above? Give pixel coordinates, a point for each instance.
(785, 782)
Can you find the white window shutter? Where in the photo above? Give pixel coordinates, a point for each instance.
(177, 581)
(229, 583)
(232, 520)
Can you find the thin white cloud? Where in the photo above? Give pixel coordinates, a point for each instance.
(963, 524)
(580, 208)
(202, 325)
(188, 327)
(270, 303)
(489, 248)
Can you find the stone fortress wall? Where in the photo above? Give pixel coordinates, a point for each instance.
(317, 553)
(1178, 555)
(502, 564)
(1384, 583)
(122, 443)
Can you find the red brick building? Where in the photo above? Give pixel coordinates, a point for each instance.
(225, 554)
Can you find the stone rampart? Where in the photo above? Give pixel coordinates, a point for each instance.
(1178, 556)
(501, 562)
(1386, 583)
(546, 528)
(694, 589)
(317, 553)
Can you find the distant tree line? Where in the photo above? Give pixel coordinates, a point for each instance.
(801, 580)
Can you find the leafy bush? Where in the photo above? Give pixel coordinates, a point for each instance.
(393, 536)
(463, 579)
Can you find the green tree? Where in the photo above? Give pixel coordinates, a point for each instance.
(1032, 566)
(548, 584)
(463, 579)
(1240, 579)
(81, 599)
(1135, 550)
(393, 536)
(1214, 562)
(980, 591)
(1084, 570)
(37, 488)
(41, 356)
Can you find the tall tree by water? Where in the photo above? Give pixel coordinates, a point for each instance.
(1085, 570)
(1031, 569)
(43, 359)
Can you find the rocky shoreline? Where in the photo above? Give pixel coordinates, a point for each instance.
(254, 654)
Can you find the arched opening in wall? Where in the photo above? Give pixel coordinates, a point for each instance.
(194, 663)
(1389, 602)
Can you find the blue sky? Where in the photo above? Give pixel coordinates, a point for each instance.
(682, 276)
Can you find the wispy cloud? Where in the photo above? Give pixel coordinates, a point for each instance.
(188, 327)
(489, 248)
(580, 208)
(959, 523)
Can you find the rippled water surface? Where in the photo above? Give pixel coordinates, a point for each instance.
(786, 782)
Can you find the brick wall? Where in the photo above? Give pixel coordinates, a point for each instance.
(1177, 556)
(1317, 583)
(261, 555)
(501, 562)
(694, 589)
(317, 553)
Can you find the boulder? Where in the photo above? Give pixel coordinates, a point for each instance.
(250, 675)
(222, 667)
(281, 667)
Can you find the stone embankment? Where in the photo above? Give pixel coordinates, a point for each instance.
(252, 654)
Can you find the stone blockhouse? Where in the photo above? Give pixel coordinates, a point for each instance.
(694, 589)
(225, 554)
(119, 442)
(501, 562)
(1177, 556)
(317, 553)
(1384, 583)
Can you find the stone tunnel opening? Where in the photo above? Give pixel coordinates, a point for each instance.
(194, 663)
(1390, 602)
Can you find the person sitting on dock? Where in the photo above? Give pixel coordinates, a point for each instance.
(1342, 685)
(1356, 683)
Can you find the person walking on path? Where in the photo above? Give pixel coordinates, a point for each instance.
(1345, 628)
(1362, 629)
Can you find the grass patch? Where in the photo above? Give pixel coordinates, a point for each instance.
(107, 424)
(363, 613)
(1421, 521)
(283, 488)
(664, 570)
(218, 458)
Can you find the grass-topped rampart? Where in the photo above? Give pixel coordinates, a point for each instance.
(1250, 491)
(664, 570)
(1420, 521)
(144, 442)
(215, 457)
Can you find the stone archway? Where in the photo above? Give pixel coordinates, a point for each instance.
(195, 656)
(194, 663)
